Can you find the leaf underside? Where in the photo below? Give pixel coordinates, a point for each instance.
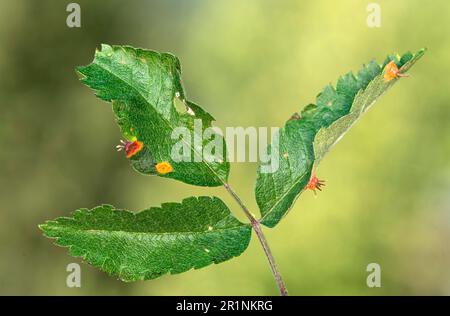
(143, 86)
(173, 238)
(307, 137)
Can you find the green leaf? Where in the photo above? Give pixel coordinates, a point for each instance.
(173, 238)
(306, 138)
(143, 86)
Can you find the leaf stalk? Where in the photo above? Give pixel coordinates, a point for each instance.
(262, 239)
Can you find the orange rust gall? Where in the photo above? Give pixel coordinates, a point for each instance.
(132, 148)
(164, 167)
(391, 71)
(314, 183)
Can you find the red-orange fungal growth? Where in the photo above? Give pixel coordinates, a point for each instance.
(314, 183)
(131, 148)
(391, 71)
(164, 167)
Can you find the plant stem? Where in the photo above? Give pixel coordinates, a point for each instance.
(262, 239)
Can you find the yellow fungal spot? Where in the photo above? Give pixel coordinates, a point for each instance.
(164, 167)
(391, 71)
(285, 155)
(206, 249)
(210, 228)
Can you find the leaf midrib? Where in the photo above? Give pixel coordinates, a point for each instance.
(63, 228)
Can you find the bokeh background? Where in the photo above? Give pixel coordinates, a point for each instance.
(249, 63)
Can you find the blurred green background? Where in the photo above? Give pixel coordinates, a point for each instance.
(249, 63)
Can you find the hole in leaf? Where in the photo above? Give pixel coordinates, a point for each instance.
(181, 107)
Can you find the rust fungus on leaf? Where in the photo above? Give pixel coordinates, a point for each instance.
(314, 183)
(131, 147)
(391, 71)
(164, 167)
